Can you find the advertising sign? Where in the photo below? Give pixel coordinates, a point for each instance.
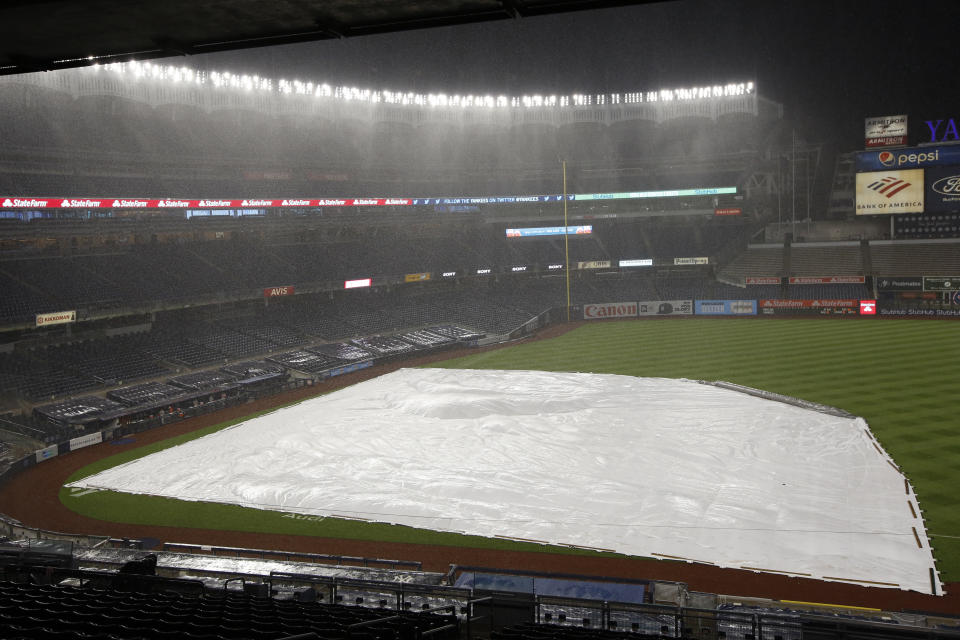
(929, 313)
(941, 283)
(909, 158)
(349, 368)
(886, 131)
(808, 307)
(529, 232)
(890, 192)
(594, 264)
(762, 280)
(416, 277)
(827, 280)
(86, 441)
(942, 130)
(609, 310)
(273, 292)
(807, 304)
(665, 308)
(943, 189)
(46, 453)
(57, 317)
(900, 283)
(728, 211)
(353, 284)
(725, 307)
(691, 260)
(645, 262)
(672, 193)
(868, 307)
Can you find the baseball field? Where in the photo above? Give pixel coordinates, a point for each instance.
(900, 375)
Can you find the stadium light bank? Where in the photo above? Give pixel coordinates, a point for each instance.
(251, 82)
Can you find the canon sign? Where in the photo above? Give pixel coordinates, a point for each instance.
(610, 310)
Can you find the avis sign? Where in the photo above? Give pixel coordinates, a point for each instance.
(609, 310)
(273, 292)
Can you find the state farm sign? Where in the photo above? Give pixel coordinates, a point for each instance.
(610, 310)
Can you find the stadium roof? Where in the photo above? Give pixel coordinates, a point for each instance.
(44, 35)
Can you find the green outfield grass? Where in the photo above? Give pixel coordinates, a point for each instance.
(901, 375)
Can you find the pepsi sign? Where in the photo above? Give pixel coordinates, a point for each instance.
(909, 158)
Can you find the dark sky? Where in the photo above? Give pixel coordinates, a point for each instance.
(830, 63)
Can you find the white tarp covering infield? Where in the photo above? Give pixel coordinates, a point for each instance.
(643, 466)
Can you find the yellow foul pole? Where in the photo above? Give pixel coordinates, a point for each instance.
(566, 236)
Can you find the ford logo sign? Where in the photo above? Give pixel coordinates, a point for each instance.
(947, 186)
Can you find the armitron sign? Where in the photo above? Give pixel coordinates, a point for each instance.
(273, 292)
(610, 310)
(885, 131)
(57, 317)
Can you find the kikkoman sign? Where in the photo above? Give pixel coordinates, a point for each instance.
(57, 317)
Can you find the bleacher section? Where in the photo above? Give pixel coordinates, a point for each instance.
(756, 261)
(901, 258)
(184, 271)
(827, 260)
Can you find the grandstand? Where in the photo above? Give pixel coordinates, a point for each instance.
(187, 309)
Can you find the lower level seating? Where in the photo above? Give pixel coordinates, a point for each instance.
(29, 611)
